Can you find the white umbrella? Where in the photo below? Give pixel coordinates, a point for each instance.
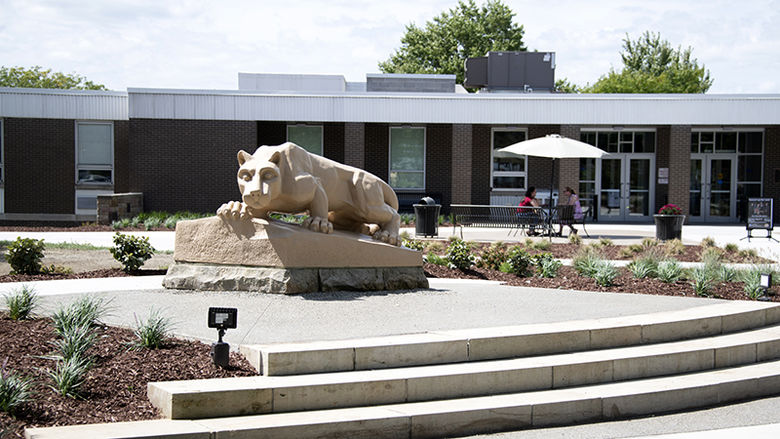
(553, 146)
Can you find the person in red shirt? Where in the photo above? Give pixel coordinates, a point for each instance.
(529, 201)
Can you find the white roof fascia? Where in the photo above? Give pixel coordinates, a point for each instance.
(63, 104)
(577, 109)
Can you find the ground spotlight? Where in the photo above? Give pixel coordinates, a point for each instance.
(222, 319)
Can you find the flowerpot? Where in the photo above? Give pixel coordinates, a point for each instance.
(668, 227)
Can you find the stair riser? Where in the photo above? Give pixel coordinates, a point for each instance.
(196, 404)
(460, 346)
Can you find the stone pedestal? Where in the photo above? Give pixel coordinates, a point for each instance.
(276, 257)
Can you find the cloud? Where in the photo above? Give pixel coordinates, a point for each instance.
(204, 44)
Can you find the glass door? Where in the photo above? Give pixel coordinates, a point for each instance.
(720, 200)
(713, 187)
(625, 187)
(639, 182)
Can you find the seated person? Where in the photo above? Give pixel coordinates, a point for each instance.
(529, 201)
(570, 198)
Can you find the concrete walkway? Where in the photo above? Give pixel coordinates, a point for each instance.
(448, 304)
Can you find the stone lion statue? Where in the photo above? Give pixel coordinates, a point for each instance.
(288, 179)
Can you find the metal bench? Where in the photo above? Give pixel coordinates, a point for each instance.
(510, 217)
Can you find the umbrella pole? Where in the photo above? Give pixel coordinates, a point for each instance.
(552, 180)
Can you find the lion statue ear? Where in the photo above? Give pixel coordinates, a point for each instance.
(275, 157)
(243, 156)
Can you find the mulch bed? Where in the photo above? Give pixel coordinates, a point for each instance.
(106, 272)
(115, 389)
(568, 279)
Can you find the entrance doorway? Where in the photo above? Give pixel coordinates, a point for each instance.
(713, 187)
(625, 187)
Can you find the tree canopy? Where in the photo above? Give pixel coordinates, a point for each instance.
(37, 77)
(445, 43)
(651, 65)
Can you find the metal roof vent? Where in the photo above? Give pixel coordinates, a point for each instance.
(512, 71)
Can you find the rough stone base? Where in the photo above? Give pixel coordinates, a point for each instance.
(213, 277)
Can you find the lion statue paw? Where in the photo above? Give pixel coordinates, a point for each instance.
(318, 224)
(234, 210)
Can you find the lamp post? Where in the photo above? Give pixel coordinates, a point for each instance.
(222, 319)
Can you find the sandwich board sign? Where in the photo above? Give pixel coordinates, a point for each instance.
(760, 216)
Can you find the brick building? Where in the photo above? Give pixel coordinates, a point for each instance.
(422, 133)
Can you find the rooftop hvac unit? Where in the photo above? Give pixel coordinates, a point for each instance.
(517, 71)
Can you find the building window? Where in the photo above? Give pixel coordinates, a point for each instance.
(308, 137)
(508, 171)
(621, 141)
(407, 158)
(95, 152)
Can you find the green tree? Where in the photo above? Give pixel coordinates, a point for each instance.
(37, 77)
(443, 45)
(651, 65)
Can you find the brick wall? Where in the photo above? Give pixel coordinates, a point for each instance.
(679, 167)
(540, 168)
(188, 164)
(271, 133)
(40, 165)
(461, 163)
(662, 154)
(377, 143)
(333, 141)
(480, 164)
(438, 162)
(772, 168)
(354, 144)
(569, 169)
(121, 156)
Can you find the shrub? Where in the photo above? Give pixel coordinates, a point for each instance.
(434, 246)
(750, 277)
(69, 375)
(153, 223)
(731, 247)
(674, 247)
(701, 280)
(546, 265)
(727, 274)
(15, 390)
(21, 302)
(649, 242)
(669, 271)
(86, 311)
(152, 332)
(605, 274)
(56, 269)
(541, 244)
(433, 258)
(131, 251)
(414, 244)
(575, 239)
(406, 218)
(493, 256)
(405, 235)
(707, 242)
(606, 242)
(748, 255)
(459, 255)
(587, 260)
(519, 262)
(643, 268)
(24, 255)
(75, 341)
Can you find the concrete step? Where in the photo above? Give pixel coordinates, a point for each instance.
(457, 417)
(277, 394)
(479, 344)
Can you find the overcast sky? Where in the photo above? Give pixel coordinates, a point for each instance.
(204, 44)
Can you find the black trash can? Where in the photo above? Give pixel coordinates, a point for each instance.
(426, 217)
